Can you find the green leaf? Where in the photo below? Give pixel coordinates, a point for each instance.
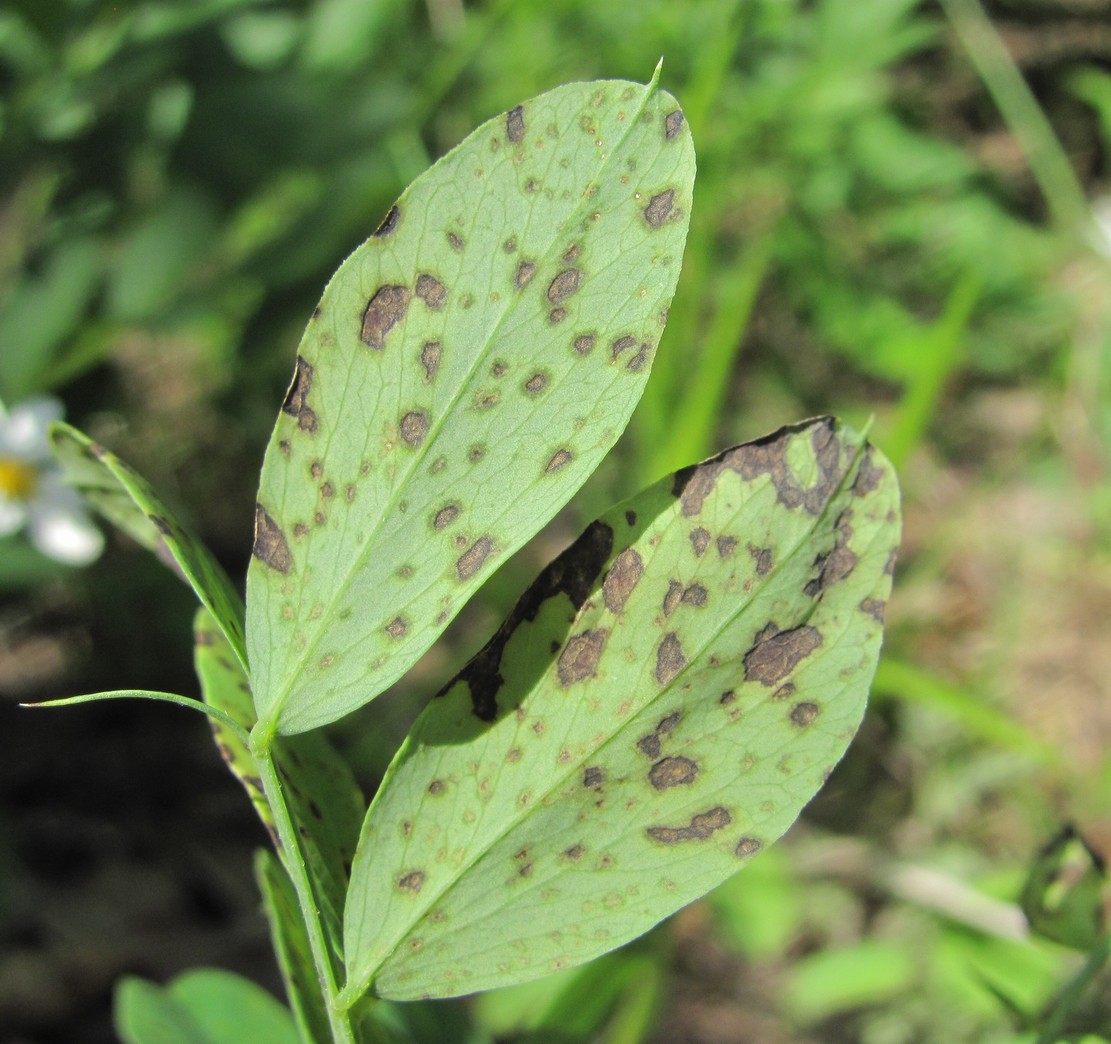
(468, 367)
(291, 944)
(323, 798)
(205, 1006)
(125, 499)
(658, 708)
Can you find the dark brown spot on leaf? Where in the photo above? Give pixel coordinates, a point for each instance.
(783, 692)
(669, 658)
(622, 577)
(412, 881)
(584, 343)
(564, 285)
(659, 206)
(673, 124)
(296, 399)
(430, 359)
(874, 607)
(837, 565)
(162, 525)
(747, 846)
(622, 344)
(414, 427)
(637, 362)
(700, 540)
(775, 655)
(593, 776)
(673, 596)
(672, 772)
(270, 545)
(327, 490)
(701, 828)
(471, 560)
(762, 556)
(383, 312)
(455, 242)
(727, 697)
(572, 254)
(868, 476)
(649, 745)
(802, 714)
(436, 787)
(389, 222)
(510, 245)
(476, 453)
(559, 459)
(695, 595)
(726, 546)
(536, 383)
(575, 852)
(557, 315)
(397, 627)
(631, 518)
(515, 124)
(579, 659)
(445, 516)
(300, 530)
(525, 271)
(431, 291)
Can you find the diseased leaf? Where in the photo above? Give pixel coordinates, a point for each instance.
(291, 944)
(658, 708)
(324, 800)
(468, 367)
(125, 499)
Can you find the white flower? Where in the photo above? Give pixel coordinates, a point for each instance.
(32, 492)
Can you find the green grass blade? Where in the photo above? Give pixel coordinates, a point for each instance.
(657, 709)
(467, 369)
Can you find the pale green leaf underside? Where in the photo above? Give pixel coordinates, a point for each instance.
(466, 370)
(659, 707)
(323, 799)
(125, 499)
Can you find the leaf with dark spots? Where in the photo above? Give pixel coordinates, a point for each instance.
(620, 746)
(445, 516)
(622, 578)
(383, 312)
(835, 566)
(700, 828)
(659, 207)
(673, 124)
(270, 545)
(584, 344)
(470, 562)
(622, 344)
(525, 271)
(430, 359)
(515, 125)
(580, 656)
(874, 607)
(762, 559)
(669, 658)
(776, 655)
(640, 359)
(564, 285)
(726, 546)
(559, 459)
(700, 540)
(389, 223)
(414, 427)
(431, 291)
(296, 399)
(412, 882)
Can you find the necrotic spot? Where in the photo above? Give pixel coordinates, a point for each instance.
(515, 124)
(397, 627)
(659, 207)
(802, 714)
(622, 577)
(525, 271)
(672, 772)
(747, 846)
(558, 460)
(412, 881)
(414, 427)
(296, 399)
(695, 595)
(593, 776)
(536, 384)
(671, 599)
(584, 343)
(471, 560)
(389, 222)
(700, 540)
(669, 658)
(455, 242)
(638, 361)
(701, 827)
(673, 123)
(445, 516)
(431, 291)
(762, 557)
(430, 359)
(564, 285)
(557, 315)
(579, 659)
(622, 344)
(270, 545)
(776, 653)
(384, 311)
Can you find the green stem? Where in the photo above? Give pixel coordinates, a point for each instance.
(342, 1030)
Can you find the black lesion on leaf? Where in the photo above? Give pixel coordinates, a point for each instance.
(837, 564)
(747, 847)
(802, 714)
(700, 828)
(515, 125)
(672, 772)
(270, 546)
(431, 291)
(564, 285)
(389, 222)
(296, 399)
(659, 207)
(162, 525)
(430, 359)
(621, 579)
(775, 654)
(700, 540)
(868, 476)
(411, 882)
(649, 745)
(580, 656)
(573, 574)
(673, 124)
(593, 776)
(874, 607)
(472, 559)
(768, 456)
(670, 659)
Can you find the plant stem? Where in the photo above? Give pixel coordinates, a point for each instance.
(342, 1029)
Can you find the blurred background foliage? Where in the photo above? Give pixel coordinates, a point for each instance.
(901, 211)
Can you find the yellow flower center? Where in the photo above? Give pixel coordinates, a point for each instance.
(17, 479)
